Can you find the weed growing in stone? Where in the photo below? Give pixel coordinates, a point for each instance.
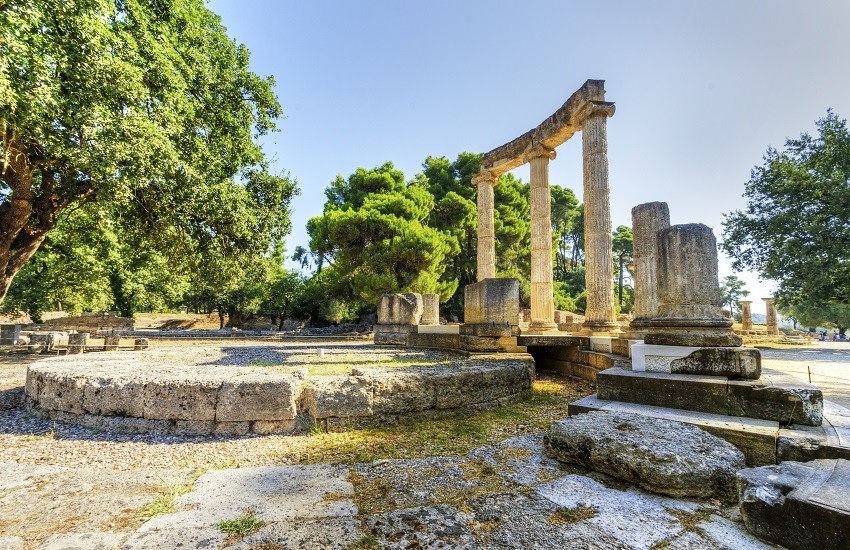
(566, 515)
(364, 542)
(165, 504)
(241, 527)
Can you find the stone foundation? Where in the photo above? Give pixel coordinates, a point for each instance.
(119, 394)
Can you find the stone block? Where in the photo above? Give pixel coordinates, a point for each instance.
(10, 334)
(193, 427)
(677, 391)
(77, 342)
(430, 309)
(111, 342)
(259, 396)
(492, 301)
(798, 505)
(487, 330)
(266, 427)
(181, 397)
(482, 383)
(232, 428)
(646, 357)
(396, 392)
(114, 395)
(341, 396)
(400, 309)
(730, 362)
(661, 456)
(58, 391)
(777, 398)
(40, 343)
(140, 343)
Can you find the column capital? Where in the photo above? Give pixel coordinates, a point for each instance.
(538, 151)
(598, 108)
(746, 301)
(485, 176)
(769, 299)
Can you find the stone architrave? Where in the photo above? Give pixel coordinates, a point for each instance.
(542, 291)
(772, 325)
(599, 270)
(746, 315)
(485, 181)
(647, 220)
(688, 290)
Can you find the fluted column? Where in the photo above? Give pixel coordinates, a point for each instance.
(647, 220)
(746, 315)
(485, 181)
(599, 267)
(542, 297)
(772, 325)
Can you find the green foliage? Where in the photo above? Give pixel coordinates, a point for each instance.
(241, 526)
(826, 315)
(566, 213)
(623, 247)
(796, 225)
(731, 292)
(145, 107)
(373, 233)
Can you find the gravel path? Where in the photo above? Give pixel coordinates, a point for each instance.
(828, 363)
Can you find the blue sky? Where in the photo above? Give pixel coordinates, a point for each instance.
(701, 88)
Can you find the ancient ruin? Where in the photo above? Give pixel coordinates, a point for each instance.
(586, 111)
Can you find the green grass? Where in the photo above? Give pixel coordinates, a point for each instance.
(566, 516)
(164, 504)
(242, 526)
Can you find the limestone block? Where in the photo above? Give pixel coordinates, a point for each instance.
(400, 309)
(194, 427)
(482, 383)
(232, 428)
(176, 396)
(395, 335)
(260, 396)
(677, 391)
(661, 456)
(265, 427)
(798, 505)
(9, 334)
(111, 342)
(115, 395)
(40, 343)
(327, 396)
(430, 309)
(59, 391)
(77, 342)
(492, 301)
(402, 391)
(730, 362)
(775, 397)
(140, 344)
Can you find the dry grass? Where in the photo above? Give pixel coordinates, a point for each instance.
(451, 434)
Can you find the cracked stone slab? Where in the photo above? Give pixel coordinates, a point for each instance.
(83, 541)
(325, 533)
(186, 538)
(521, 460)
(274, 494)
(437, 526)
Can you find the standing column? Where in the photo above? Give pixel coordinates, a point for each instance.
(542, 297)
(485, 181)
(599, 267)
(746, 315)
(647, 220)
(772, 326)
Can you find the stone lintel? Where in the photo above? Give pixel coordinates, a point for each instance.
(552, 132)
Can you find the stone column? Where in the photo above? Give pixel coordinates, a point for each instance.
(772, 326)
(688, 291)
(746, 315)
(599, 267)
(647, 220)
(542, 292)
(77, 342)
(485, 181)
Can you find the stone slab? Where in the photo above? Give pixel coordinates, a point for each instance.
(438, 329)
(777, 396)
(327, 533)
(601, 344)
(798, 505)
(731, 362)
(83, 541)
(755, 438)
(658, 356)
(260, 395)
(677, 391)
(335, 396)
(659, 455)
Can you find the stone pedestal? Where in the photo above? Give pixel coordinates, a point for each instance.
(111, 342)
(688, 291)
(398, 316)
(746, 315)
(490, 315)
(430, 309)
(10, 334)
(485, 181)
(647, 220)
(599, 269)
(542, 291)
(772, 325)
(77, 342)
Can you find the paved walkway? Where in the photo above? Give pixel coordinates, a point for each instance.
(827, 362)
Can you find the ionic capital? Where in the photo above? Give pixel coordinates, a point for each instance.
(598, 108)
(485, 176)
(538, 151)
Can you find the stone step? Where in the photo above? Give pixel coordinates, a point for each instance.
(775, 396)
(798, 505)
(761, 441)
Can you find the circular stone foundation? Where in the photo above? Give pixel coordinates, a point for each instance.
(280, 388)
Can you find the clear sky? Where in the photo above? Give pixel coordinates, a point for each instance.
(701, 88)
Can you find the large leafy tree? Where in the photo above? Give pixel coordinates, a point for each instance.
(796, 225)
(372, 238)
(146, 105)
(731, 291)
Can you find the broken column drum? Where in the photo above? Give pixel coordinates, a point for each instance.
(688, 290)
(647, 220)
